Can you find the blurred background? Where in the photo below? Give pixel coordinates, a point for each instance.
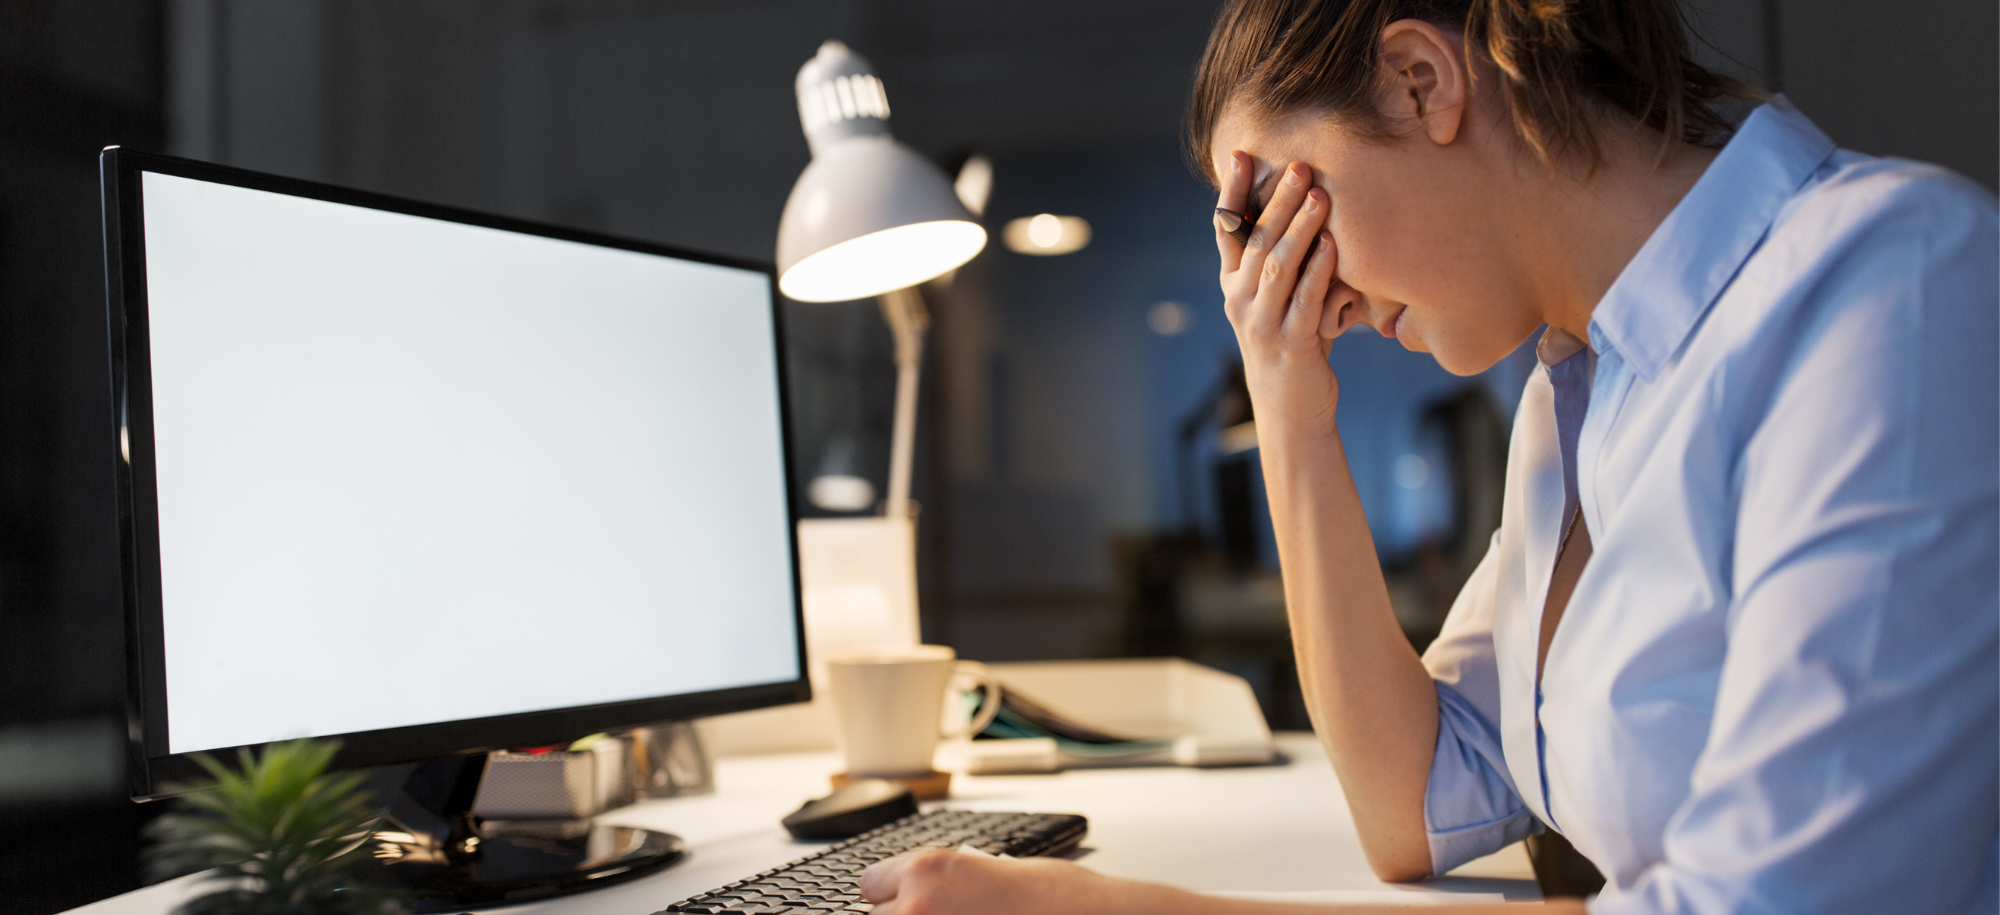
(1089, 486)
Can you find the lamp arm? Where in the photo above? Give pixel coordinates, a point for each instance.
(908, 320)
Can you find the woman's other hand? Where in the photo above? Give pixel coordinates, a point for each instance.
(1283, 297)
(934, 881)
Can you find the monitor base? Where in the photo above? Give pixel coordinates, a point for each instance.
(520, 861)
(448, 860)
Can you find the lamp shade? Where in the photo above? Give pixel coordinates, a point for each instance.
(868, 215)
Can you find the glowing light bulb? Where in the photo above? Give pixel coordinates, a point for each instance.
(880, 261)
(1046, 231)
(1046, 234)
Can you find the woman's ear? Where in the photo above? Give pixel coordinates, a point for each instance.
(1424, 70)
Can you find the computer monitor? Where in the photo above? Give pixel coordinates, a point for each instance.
(433, 482)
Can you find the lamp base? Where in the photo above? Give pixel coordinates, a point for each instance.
(927, 786)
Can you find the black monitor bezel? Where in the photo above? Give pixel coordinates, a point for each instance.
(151, 766)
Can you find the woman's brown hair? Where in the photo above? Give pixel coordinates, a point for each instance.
(1556, 60)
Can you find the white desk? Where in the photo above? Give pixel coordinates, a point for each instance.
(1273, 828)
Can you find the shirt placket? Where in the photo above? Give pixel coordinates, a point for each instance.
(1570, 382)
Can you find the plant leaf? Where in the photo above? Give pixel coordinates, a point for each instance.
(278, 832)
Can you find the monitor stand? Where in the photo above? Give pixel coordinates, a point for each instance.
(450, 861)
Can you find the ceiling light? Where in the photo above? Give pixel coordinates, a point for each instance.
(1046, 234)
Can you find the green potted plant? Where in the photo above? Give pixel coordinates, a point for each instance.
(278, 837)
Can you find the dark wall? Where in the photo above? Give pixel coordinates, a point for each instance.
(1912, 79)
(668, 121)
(74, 77)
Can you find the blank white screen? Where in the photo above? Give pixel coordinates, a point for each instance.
(414, 471)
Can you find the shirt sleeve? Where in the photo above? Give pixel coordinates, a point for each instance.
(1851, 762)
(1470, 806)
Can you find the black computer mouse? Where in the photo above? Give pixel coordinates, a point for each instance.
(854, 809)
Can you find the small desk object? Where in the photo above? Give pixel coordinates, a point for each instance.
(1279, 832)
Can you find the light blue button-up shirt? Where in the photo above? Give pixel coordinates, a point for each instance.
(1776, 687)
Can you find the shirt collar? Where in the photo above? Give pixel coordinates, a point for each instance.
(1687, 262)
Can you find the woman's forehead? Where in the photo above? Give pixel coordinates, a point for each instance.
(1270, 146)
(1230, 138)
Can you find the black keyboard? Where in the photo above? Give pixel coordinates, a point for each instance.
(830, 881)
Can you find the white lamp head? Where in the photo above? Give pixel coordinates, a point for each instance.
(868, 215)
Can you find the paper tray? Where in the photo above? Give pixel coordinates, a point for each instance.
(1199, 716)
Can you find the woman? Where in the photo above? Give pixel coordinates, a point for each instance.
(1736, 636)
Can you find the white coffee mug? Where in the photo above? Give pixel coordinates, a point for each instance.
(890, 706)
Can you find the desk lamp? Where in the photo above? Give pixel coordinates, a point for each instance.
(870, 217)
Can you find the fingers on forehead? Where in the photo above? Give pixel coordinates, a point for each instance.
(1282, 182)
(1277, 216)
(1316, 258)
(1235, 182)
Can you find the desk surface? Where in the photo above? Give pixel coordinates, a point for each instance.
(1266, 828)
